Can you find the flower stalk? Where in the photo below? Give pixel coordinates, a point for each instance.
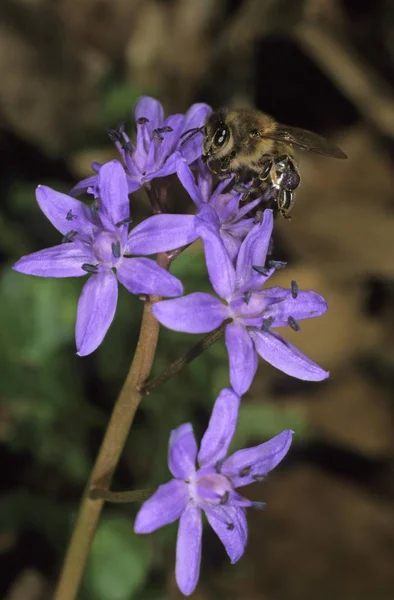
(110, 452)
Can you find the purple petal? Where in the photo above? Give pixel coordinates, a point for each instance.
(133, 184)
(208, 214)
(194, 313)
(96, 310)
(226, 206)
(65, 260)
(186, 178)
(65, 213)
(255, 283)
(242, 357)
(286, 357)
(204, 181)
(149, 108)
(114, 193)
(195, 117)
(182, 451)
(83, 186)
(247, 208)
(168, 168)
(220, 268)
(251, 464)
(229, 524)
(254, 248)
(308, 304)
(161, 233)
(145, 276)
(221, 427)
(164, 507)
(188, 550)
(231, 243)
(170, 138)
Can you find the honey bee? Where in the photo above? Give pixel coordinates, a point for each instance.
(259, 152)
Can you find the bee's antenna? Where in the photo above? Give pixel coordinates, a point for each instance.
(192, 133)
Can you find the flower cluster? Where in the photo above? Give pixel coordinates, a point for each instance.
(99, 242)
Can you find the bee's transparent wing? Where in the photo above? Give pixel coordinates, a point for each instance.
(305, 140)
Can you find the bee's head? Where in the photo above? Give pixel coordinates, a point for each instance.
(216, 136)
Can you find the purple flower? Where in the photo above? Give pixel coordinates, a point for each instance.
(253, 310)
(210, 487)
(158, 147)
(98, 243)
(219, 209)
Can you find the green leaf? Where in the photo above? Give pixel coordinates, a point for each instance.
(119, 561)
(37, 315)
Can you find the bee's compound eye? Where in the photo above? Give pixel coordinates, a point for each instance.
(220, 136)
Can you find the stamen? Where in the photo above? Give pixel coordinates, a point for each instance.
(224, 498)
(277, 264)
(142, 121)
(157, 135)
(124, 222)
(258, 505)
(89, 268)
(267, 324)
(69, 236)
(116, 249)
(69, 215)
(230, 526)
(218, 466)
(121, 126)
(245, 471)
(114, 135)
(247, 297)
(157, 132)
(294, 289)
(293, 323)
(260, 270)
(128, 146)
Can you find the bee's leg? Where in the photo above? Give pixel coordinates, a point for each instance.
(219, 168)
(265, 167)
(287, 174)
(285, 200)
(241, 187)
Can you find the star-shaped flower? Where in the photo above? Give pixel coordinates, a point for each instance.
(253, 310)
(219, 208)
(209, 487)
(158, 146)
(97, 242)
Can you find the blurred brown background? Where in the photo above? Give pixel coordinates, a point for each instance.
(69, 70)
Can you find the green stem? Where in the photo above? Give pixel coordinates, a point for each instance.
(190, 355)
(111, 448)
